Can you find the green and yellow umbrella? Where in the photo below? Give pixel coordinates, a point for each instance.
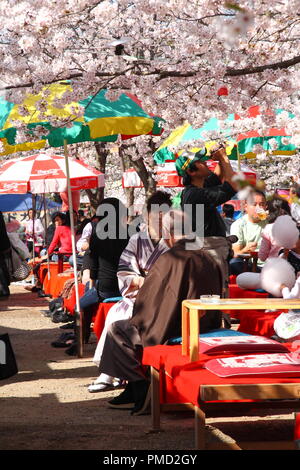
(100, 120)
(240, 145)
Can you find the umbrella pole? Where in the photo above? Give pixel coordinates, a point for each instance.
(239, 157)
(78, 313)
(45, 218)
(33, 233)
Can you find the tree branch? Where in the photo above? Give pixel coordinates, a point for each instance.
(162, 74)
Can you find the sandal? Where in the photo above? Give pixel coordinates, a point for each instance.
(100, 387)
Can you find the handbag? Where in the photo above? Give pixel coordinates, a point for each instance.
(8, 365)
(19, 269)
(90, 298)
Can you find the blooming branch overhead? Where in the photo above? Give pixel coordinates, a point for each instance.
(174, 55)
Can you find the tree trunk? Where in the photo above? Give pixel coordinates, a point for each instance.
(96, 196)
(129, 192)
(146, 177)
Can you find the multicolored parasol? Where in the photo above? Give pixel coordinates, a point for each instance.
(241, 144)
(102, 120)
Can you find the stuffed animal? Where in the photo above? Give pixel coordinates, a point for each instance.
(276, 271)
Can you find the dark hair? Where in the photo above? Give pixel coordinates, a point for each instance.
(260, 193)
(228, 210)
(58, 214)
(120, 209)
(277, 206)
(186, 179)
(159, 198)
(67, 219)
(82, 225)
(33, 211)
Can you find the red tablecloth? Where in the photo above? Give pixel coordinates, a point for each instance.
(258, 323)
(48, 283)
(183, 378)
(70, 302)
(100, 317)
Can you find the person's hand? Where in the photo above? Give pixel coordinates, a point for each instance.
(137, 282)
(251, 246)
(218, 154)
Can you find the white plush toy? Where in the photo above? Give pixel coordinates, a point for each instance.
(285, 232)
(275, 272)
(249, 280)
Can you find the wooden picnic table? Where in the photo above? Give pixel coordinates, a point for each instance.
(193, 310)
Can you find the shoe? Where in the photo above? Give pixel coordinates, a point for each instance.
(72, 350)
(100, 387)
(62, 344)
(68, 326)
(64, 341)
(59, 316)
(40, 293)
(142, 393)
(31, 288)
(46, 313)
(124, 401)
(65, 336)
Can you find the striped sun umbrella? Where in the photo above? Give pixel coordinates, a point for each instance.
(99, 120)
(45, 173)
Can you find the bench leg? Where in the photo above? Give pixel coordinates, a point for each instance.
(155, 400)
(199, 428)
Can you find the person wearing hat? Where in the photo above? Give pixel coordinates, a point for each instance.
(203, 187)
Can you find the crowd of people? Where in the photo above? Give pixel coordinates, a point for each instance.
(172, 255)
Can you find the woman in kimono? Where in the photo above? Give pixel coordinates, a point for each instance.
(143, 249)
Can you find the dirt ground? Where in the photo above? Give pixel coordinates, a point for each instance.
(47, 406)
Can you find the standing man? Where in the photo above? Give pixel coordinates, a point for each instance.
(203, 187)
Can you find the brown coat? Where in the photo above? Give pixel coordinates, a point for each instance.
(177, 275)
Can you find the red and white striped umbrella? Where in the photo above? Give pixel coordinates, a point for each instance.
(45, 173)
(167, 176)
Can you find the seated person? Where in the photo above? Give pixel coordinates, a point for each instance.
(57, 219)
(185, 271)
(248, 229)
(104, 254)
(84, 233)
(276, 206)
(61, 240)
(294, 200)
(227, 214)
(292, 256)
(140, 254)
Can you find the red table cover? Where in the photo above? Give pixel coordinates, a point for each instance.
(100, 317)
(183, 378)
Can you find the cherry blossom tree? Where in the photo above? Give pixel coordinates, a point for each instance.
(174, 55)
